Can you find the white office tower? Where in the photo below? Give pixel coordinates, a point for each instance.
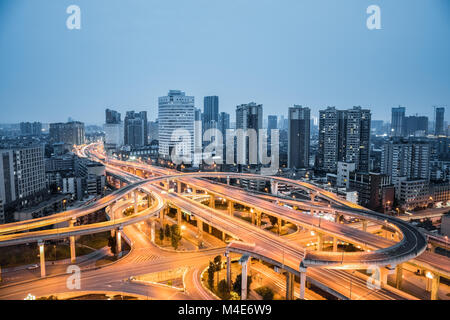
(249, 118)
(176, 114)
(198, 149)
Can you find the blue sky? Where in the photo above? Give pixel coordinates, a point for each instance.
(278, 53)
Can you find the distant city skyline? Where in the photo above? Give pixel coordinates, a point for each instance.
(207, 48)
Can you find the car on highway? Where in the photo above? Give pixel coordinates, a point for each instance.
(33, 266)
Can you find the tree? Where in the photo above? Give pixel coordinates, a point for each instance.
(218, 266)
(237, 285)
(175, 236)
(167, 231)
(161, 234)
(234, 296)
(211, 270)
(222, 289)
(112, 244)
(265, 292)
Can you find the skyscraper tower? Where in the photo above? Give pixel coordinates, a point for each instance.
(398, 122)
(439, 121)
(298, 137)
(210, 112)
(344, 135)
(136, 129)
(176, 111)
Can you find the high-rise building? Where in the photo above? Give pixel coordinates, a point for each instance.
(135, 129)
(405, 158)
(272, 123)
(153, 130)
(176, 111)
(416, 125)
(249, 116)
(114, 130)
(112, 116)
(30, 129)
(224, 122)
(398, 122)
(439, 121)
(198, 138)
(22, 175)
(375, 190)
(210, 112)
(72, 133)
(298, 137)
(344, 135)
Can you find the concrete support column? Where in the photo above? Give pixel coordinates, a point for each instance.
(149, 200)
(227, 255)
(253, 217)
(384, 272)
(167, 184)
(223, 236)
(212, 201)
(194, 190)
(209, 229)
(399, 276)
(42, 257)
(73, 256)
(274, 187)
(245, 262)
(228, 180)
(279, 225)
(302, 282)
(200, 231)
(319, 241)
(289, 286)
(230, 207)
(135, 202)
(258, 219)
(119, 241)
(179, 217)
(178, 186)
(335, 244)
(435, 287)
(364, 225)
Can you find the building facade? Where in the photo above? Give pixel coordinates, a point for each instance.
(298, 136)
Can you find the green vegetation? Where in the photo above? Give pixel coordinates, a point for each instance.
(96, 240)
(265, 292)
(237, 285)
(175, 236)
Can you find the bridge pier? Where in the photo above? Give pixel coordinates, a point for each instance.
(119, 241)
(337, 217)
(200, 231)
(335, 244)
(319, 241)
(245, 262)
(289, 286)
(279, 226)
(274, 187)
(435, 287)
(230, 207)
(228, 180)
(135, 202)
(42, 257)
(302, 281)
(364, 225)
(161, 216)
(258, 219)
(399, 276)
(227, 255)
(212, 201)
(178, 186)
(73, 256)
(179, 217)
